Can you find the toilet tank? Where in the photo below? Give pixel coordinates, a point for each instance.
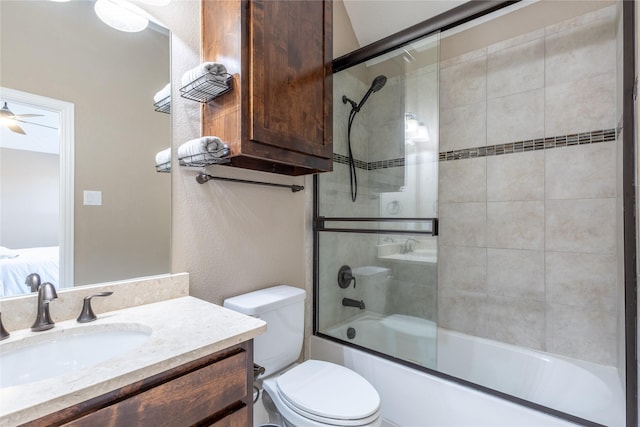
(282, 308)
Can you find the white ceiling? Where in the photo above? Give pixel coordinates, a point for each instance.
(373, 20)
(37, 138)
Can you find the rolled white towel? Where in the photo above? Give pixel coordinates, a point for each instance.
(211, 145)
(194, 74)
(163, 157)
(162, 93)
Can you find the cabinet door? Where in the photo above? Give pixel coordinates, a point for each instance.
(290, 93)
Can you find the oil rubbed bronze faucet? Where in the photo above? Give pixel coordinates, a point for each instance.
(46, 294)
(348, 302)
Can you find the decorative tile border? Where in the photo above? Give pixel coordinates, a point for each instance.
(593, 137)
(380, 164)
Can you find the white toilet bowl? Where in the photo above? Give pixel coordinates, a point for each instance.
(321, 394)
(313, 393)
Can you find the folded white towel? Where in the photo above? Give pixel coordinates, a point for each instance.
(216, 69)
(163, 156)
(211, 145)
(162, 93)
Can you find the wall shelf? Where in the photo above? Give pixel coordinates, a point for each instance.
(207, 87)
(203, 159)
(164, 167)
(164, 105)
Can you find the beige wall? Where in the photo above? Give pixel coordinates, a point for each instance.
(233, 238)
(111, 78)
(29, 201)
(344, 38)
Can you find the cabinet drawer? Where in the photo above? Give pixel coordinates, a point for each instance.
(239, 418)
(183, 401)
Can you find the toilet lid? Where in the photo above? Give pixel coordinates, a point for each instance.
(328, 391)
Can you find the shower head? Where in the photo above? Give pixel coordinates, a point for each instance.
(377, 84)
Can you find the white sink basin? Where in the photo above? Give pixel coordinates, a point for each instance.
(59, 352)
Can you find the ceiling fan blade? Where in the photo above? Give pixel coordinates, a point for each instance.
(37, 124)
(15, 128)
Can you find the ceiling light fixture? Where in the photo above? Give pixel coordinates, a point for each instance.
(121, 15)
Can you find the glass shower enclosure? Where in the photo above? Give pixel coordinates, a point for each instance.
(473, 225)
(376, 222)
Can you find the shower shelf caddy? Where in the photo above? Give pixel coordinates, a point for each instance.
(164, 105)
(164, 167)
(207, 87)
(202, 159)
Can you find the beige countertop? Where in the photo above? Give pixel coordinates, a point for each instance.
(182, 330)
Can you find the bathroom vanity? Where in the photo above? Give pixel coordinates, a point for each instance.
(195, 368)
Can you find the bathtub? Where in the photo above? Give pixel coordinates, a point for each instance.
(580, 388)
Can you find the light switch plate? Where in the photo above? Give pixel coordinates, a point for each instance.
(92, 198)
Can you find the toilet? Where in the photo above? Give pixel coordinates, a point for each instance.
(313, 393)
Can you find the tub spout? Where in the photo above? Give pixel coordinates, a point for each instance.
(348, 302)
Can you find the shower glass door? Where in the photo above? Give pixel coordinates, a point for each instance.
(376, 213)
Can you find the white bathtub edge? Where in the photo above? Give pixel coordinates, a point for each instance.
(411, 398)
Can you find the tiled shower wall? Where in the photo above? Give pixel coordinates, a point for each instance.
(527, 190)
(376, 134)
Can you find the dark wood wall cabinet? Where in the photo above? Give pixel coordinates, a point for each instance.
(278, 117)
(212, 391)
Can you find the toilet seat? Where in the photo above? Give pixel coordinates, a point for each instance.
(329, 393)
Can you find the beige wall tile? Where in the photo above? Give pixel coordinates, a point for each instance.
(462, 311)
(580, 106)
(516, 273)
(463, 224)
(580, 52)
(581, 171)
(586, 225)
(463, 83)
(515, 225)
(518, 176)
(463, 127)
(462, 268)
(515, 117)
(583, 333)
(515, 321)
(463, 180)
(515, 69)
(579, 279)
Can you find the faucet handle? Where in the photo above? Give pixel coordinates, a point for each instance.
(33, 281)
(3, 332)
(87, 314)
(345, 277)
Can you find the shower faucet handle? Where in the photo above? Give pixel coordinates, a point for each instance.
(345, 277)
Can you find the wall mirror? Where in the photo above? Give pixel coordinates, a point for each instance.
(119, 210)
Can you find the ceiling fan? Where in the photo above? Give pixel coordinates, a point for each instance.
(8, 118)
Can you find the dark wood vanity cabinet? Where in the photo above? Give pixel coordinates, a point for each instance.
(278, 117)
(216, 390)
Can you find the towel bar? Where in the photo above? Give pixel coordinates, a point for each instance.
(201, 178)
